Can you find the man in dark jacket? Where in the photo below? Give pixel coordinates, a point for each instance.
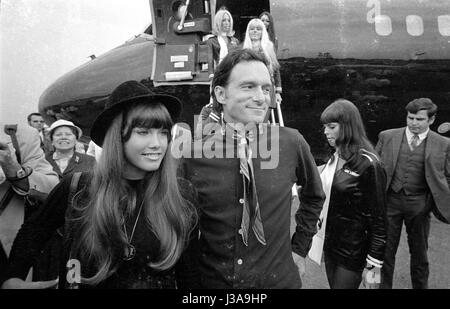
(417, 163)
(244, 172)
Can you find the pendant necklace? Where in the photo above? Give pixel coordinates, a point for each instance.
(130, 250)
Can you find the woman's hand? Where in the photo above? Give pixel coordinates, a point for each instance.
(300, 262)
(17, 283)
(372, 277)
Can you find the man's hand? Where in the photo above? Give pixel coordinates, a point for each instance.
(10, 166)
(5, 153)
(8, 160)
(300, 262)
(17, 283)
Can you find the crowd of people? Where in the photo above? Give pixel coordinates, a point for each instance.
(137, 217)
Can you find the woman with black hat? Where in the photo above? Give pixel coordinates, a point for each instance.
(131, 223)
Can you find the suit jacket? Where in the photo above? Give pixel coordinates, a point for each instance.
(437, 166)
(42, 179)
(46, 144)
(78, 163)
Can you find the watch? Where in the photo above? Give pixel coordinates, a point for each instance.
(21, 173)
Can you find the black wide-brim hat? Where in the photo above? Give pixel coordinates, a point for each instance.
(127, 93)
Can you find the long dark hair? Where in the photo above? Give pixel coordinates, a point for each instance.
(271, 29)
(100, 237)
(352, 135)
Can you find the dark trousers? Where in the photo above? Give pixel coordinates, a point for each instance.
(340, 277)
(414, 210)
(3, 262)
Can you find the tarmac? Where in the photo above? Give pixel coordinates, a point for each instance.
(438, 256)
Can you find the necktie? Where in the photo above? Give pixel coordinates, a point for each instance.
(414, 142)
(41, 136)
(248, 179)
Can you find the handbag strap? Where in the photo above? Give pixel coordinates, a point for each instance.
(73, 188)
(72, 191)
(66, 233)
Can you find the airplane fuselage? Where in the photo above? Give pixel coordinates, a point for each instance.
(379, 54)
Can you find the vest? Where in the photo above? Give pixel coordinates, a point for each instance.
(409, 173)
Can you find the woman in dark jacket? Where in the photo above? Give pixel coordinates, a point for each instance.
(223, 39)
(355, 235)
(65, 159)
(131, 223)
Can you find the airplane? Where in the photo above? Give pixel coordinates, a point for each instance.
(379, 54)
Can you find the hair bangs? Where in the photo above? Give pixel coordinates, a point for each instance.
(149, 116)
(331, 114)
(218, 18)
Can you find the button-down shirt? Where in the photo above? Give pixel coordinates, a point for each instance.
(225, 261)
(409, 136)
(62, 160)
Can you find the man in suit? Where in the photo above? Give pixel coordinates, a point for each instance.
(417, 162)
(36, 121)
(244, 194)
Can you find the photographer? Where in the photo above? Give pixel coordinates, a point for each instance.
(25, 176)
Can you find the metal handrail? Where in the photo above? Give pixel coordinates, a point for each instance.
(181, 25)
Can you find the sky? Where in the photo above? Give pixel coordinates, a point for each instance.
(40, 40)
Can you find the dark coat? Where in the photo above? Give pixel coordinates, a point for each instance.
(78, 163)
(356, 221)
(437, 166)
(136, 273)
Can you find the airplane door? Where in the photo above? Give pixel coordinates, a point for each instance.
(181, 56)
(243, 12)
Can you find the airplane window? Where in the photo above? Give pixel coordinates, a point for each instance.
(414, 25)
(383, 25)
(444, 25)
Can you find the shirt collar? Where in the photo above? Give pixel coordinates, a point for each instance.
(229, 129)
(422, 136)
(60, 156)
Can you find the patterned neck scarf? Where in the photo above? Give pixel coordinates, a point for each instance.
(249, 202)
